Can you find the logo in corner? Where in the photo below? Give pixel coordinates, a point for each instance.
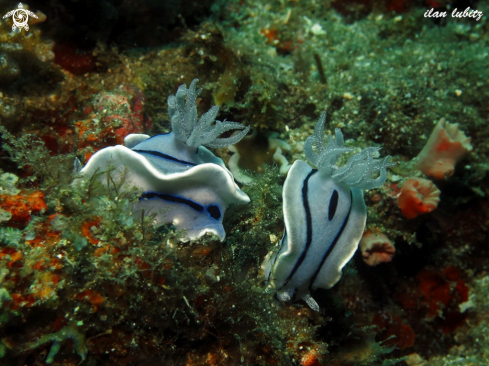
(20, 16)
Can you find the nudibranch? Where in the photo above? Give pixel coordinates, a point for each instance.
(182, 182)
(324, 214)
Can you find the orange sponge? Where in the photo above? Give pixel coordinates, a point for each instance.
(21, 206)
(445, 147)
(418, 196)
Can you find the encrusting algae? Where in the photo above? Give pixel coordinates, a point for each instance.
(86, 279)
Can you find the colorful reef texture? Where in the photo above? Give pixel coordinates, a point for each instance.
(92, 273)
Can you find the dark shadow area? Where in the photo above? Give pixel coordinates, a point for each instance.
(127, 24)
(23, 74)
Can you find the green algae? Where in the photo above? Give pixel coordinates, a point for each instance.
(68, 332)
(10, 236)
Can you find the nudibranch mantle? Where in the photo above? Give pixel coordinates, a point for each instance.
(182, 182)
(324, 214)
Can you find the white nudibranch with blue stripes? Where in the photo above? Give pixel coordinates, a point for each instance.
(182, 182)
(324, 214)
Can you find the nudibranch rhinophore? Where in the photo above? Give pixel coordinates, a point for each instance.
(182, 182)
(324, 214)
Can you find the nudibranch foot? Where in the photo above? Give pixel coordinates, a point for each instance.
(311, 302)
(288, 296)
(284, 296)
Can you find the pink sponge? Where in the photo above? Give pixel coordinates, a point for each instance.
(418, 196)
(445, 147)
(376, 248)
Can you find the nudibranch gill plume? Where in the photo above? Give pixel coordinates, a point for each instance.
(324, 214)
(182, 182)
